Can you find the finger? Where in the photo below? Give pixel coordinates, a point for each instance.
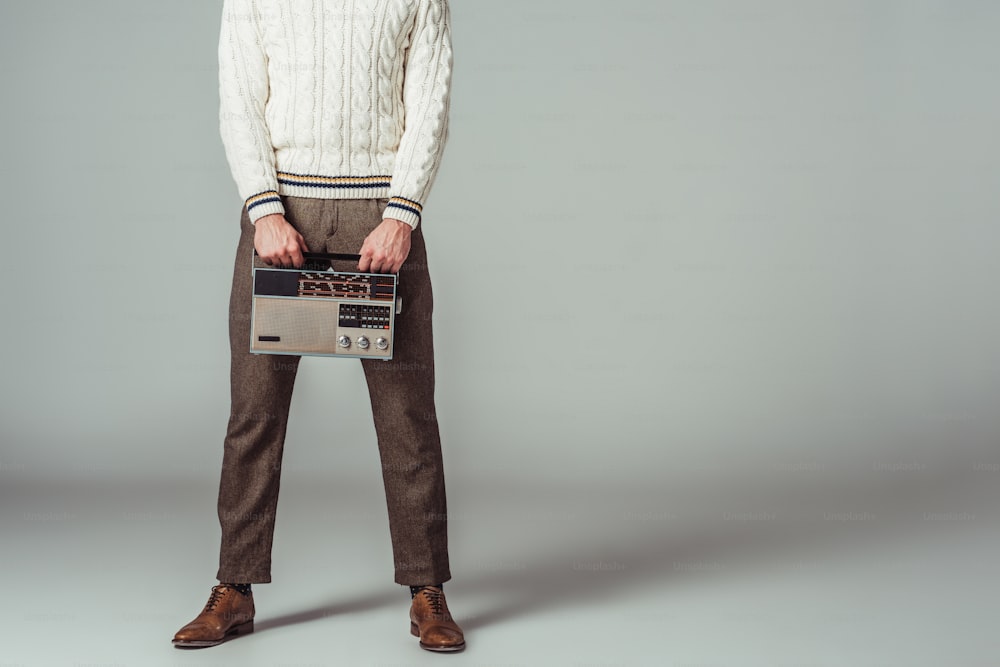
(296, 257)
(261, 256)
(379, 264)
(364, 264)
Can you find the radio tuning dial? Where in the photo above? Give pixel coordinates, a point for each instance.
(344, 341)
(363, 342)
(381, 343)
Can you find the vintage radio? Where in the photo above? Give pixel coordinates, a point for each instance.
(318, 310)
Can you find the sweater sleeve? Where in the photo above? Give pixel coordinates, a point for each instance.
(426, 99)
(243, 92)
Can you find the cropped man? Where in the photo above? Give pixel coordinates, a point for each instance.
(334, 117)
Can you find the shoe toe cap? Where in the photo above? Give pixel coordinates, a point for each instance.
(197, 632)
(442, 636)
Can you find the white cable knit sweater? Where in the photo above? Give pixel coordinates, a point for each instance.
(335, 99)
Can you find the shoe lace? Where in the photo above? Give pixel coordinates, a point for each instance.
(215, 597)
(435, 596)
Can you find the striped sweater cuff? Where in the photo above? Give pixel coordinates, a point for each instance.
(406, 210)
(264, 203)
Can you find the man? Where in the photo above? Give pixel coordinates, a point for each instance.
(334, 116)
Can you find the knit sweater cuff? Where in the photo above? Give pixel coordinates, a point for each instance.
(405, 210)
(264, 203)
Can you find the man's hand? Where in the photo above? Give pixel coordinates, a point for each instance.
(278, 243)
(386, 248)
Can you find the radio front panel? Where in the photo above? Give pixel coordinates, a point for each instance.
(324, 313)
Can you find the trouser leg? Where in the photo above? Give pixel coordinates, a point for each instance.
(261, 391)
(402, 399)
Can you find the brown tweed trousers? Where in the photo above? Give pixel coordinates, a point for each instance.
(402, 399)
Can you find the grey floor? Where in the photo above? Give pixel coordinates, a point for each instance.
(788, 565)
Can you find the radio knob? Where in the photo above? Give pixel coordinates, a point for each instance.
(344, 341)
(381, 343)
(363, 343)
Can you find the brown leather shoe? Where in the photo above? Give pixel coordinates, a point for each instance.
(431, 621)
(227, 614)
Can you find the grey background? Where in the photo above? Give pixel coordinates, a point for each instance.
(716, 323)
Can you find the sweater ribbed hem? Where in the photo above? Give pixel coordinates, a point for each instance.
(264, 203)
(333, 187)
